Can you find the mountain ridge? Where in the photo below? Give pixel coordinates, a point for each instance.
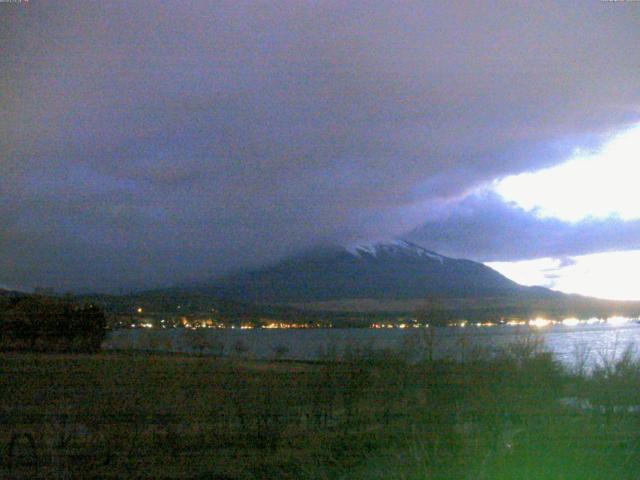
(356, 283)
(398, 270)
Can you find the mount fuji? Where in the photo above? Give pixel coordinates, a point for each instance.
(398, 270)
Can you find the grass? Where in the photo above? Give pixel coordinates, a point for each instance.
(373, 415)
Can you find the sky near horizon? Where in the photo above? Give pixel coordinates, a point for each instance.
(600, 185)
(148, 143)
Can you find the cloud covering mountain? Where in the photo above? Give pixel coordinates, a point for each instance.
(147, 142)
(486, 228)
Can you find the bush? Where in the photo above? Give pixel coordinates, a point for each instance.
(614, 381)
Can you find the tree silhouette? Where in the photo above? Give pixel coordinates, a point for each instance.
(48, 324)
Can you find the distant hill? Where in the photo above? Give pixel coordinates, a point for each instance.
(176, 301)
(387, 271)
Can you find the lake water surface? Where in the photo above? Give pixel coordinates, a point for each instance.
(572, 345)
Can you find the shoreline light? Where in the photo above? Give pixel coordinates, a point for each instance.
(616, 320)
(539, 322)
(570, 322)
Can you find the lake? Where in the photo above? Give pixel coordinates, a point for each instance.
(586, 344)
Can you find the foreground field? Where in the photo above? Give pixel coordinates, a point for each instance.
(508, 414)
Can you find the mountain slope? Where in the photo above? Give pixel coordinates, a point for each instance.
(398, 270)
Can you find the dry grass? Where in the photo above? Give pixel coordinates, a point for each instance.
(373, 415)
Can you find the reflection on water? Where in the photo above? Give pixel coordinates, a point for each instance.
(572, 341)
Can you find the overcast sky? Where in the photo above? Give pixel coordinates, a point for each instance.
(145, 143)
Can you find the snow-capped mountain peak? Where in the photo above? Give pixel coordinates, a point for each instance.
(396, 247)
(386, 270)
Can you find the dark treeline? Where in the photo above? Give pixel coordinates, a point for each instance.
(40, 323)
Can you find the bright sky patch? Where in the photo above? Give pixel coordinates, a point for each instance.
(611, 275)
(590, 185)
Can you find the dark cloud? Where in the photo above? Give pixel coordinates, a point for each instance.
(146, 142)
(486, 228)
